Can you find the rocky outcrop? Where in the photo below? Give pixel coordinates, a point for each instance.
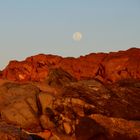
(61, 107)
(115, 100)
(107, 67)
(89, 109)
(64, 111)
(122, 65)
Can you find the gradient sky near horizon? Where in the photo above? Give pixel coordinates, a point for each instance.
(29, 27)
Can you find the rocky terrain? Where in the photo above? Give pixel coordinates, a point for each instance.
(93, 97)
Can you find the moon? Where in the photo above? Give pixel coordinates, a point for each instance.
(77, 36)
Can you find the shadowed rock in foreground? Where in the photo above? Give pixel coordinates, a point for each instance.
(10, 132)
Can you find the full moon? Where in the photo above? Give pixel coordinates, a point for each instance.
(77, 36)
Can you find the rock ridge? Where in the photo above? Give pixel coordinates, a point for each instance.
(106, 67)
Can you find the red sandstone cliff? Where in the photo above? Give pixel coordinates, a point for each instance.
(111, 66)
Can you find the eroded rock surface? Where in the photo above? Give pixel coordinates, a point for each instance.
(107, 67)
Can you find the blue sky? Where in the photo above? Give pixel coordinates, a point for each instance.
(29, 27)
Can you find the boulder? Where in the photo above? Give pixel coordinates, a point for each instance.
(21, 114)
(9, 92)
(18, 105)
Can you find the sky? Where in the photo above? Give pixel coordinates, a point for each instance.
(30, 27)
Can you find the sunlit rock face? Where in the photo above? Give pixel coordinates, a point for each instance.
(107, 67)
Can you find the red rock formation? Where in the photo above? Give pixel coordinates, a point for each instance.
(111, 66)
(122, 65)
